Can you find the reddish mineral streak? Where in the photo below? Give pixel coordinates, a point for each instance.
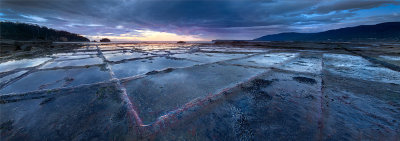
(171, 119)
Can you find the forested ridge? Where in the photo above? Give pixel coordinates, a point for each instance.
(30, 32)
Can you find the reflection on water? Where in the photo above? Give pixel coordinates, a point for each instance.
(133, 91)
(153, 94)
(357, 67)
(24, 63)
(143, 66)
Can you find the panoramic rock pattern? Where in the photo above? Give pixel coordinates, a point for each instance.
(198, 92)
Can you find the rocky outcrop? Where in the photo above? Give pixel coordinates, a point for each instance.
(105, 40)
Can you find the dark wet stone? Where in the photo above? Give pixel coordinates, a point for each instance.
(310, 97)
(8, 125)
(305, 80)
(262, 95)
(103, 68)
(163, 71)
(257, 84)
(47, 100)
(151, 72)
(105, 92)
(168, 70)
(255, 89)
(68, 79)
(243, 129)
(262, 82)
(283, 96)
(101, 93)
(26, 47)
(120, 114)
(173, 58)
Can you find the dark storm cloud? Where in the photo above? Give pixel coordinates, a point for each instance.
(351, 5)
(212, 18)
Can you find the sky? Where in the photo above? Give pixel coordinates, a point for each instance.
(196, 20)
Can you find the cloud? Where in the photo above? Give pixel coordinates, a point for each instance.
(119, 27)
(351, 5)
(223, 19)
(35, 18)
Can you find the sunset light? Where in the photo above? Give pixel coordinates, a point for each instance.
(147, 35)
(199, 70)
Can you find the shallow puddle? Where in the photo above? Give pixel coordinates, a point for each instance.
(355, 104)
(271, 106)
(77, 62)
(358, 67)
(55, 79)
(12, 76)
(306, 64)
(72, 57)
(208, 57)
(124, 55)
(157, 94)
(307, 94)
(60, 115)
(392, 58)
(142, 66)
(232, 49)
(264, 60)
(24, 63)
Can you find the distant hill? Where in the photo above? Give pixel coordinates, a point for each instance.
(389, 31)
(28, 32)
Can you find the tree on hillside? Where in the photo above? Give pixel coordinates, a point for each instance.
(27, 32)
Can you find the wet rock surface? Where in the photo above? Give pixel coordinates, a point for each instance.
(202, 92)
(80, 114)
(305, 80)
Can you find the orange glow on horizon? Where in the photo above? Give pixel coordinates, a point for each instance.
(147, 35)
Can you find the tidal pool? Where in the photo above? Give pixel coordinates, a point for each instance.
(23, 63)
(208, 57)
(51, 79)
(264, 60)
(358, 67)
(76, 62)
(143, 66)
(161, 91)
